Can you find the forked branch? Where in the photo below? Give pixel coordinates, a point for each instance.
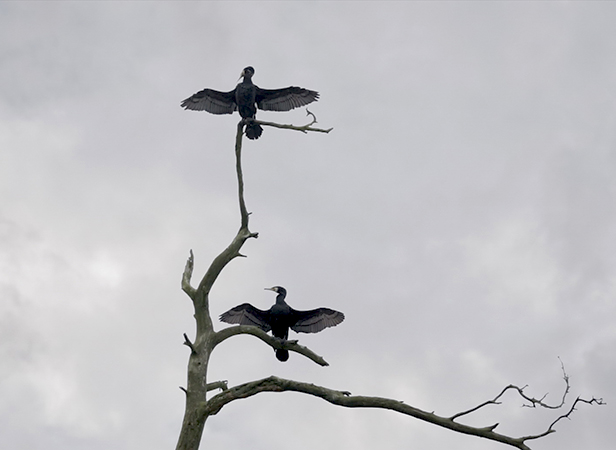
(344, 398)
(550, 429)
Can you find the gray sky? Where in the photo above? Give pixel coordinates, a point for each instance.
(461, 214)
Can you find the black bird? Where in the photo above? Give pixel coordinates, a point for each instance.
(280, 317)
(246, 98)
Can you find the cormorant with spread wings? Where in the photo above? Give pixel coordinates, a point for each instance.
(280, 317)
(246, 98)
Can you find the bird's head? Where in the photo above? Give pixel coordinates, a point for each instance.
(248, 72)
(278, 289)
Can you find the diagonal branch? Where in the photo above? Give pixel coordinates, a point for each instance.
(343, 398)
(274, 342)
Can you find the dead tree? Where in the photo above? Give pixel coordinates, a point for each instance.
(199, 407)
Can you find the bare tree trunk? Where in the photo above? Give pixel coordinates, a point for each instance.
(201, 348)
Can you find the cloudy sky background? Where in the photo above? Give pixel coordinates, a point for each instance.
(462, 214)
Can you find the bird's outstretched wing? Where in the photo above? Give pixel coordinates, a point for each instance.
(316, 320)
(284, 99)
(246, 314)
(212, 101)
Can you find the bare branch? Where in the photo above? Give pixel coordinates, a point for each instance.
(343, 398)
(274, 342)
(539, 402)
(188, 270)
(533, 403)
(494, 401)
(550, 429)
(303, 128)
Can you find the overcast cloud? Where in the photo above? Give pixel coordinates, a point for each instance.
(462, 214)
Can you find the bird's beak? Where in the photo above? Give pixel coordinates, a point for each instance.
(241, 75)
(270, 289)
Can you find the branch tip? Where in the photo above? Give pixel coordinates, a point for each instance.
(491, 427)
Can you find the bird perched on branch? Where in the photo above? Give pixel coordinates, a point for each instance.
(280, 317)
(246, 98)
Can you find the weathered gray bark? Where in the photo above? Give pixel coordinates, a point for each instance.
(199, 408)
(205, 340)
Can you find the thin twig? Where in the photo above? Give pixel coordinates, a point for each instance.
(550, 429)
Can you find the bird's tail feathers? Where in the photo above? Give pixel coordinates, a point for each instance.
(282, 355)
(253, 130)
